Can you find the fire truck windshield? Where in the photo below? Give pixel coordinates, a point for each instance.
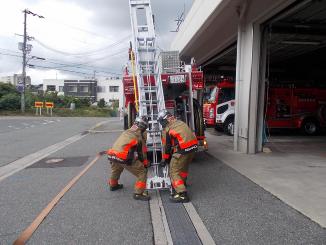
(212, 96)
(225, 94)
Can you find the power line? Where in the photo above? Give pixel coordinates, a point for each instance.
(51, 68)
(9, 50)
(55, 21)
(11, 55)
(73, 65)
(80, 67)
(93, 52)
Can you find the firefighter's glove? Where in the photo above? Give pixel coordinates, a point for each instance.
(163, 163)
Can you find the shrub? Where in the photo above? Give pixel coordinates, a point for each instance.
(101, 103)
(10, 101)
(6, 88)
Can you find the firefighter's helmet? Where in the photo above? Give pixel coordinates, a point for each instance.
(141, 122)
(162, 117)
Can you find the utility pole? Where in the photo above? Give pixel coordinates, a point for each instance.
(22, 99)
(26, 49)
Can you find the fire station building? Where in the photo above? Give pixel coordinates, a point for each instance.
(264, 43)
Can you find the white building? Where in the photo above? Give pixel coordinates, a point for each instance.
(15, 79)
(110, 90)
(53, 85)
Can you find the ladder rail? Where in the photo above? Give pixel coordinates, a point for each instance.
(150, 96)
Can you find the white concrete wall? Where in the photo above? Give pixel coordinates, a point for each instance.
(211, 26)
(107, 95)
(53, 82)
(198, 15)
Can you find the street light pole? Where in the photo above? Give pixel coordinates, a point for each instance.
(22, 102)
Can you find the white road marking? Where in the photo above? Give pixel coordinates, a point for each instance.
(28, 160)
(161, 229)
(201, 229)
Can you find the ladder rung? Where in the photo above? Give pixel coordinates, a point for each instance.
(144, 62)
(152, 121)
(149, 101)
(148, 87)
(144, 49)
(147, 74)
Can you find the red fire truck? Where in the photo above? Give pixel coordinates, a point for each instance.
(176, 95)
(219, 109)
(301, 108)
(287, 107)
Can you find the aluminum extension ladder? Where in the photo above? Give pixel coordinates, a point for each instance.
(150, 89)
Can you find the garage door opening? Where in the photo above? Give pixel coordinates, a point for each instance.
(295, 79)
(219, 102)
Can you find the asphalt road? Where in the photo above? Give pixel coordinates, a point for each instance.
(20, 136)
(234, 209)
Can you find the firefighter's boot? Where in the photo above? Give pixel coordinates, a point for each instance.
(142, 196)
(116, 187)
(180, 197)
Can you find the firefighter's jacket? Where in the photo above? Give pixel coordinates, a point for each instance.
(177, 137)
(130, 145)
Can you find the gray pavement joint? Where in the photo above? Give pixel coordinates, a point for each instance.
(201, 229)
(162, 235)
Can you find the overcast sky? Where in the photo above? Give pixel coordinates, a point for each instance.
(94, 33)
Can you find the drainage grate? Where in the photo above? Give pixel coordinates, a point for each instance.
(60, 162)
(181, 228)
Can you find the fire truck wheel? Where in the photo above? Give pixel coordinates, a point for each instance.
(310, 127)
(198, 118)
(228, 126)
(131, 114)
(125, 122)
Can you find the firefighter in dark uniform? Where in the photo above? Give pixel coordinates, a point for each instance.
(129, 152)
(179, 147)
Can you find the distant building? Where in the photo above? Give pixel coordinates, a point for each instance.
(111, 90)
(53, 85)
(81, 88)
(36, 89)
(15, 79)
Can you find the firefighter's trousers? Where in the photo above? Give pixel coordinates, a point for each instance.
(179, 166)
(136, 168)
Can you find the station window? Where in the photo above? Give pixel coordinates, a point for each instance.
(72, 88)
(84, 88)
